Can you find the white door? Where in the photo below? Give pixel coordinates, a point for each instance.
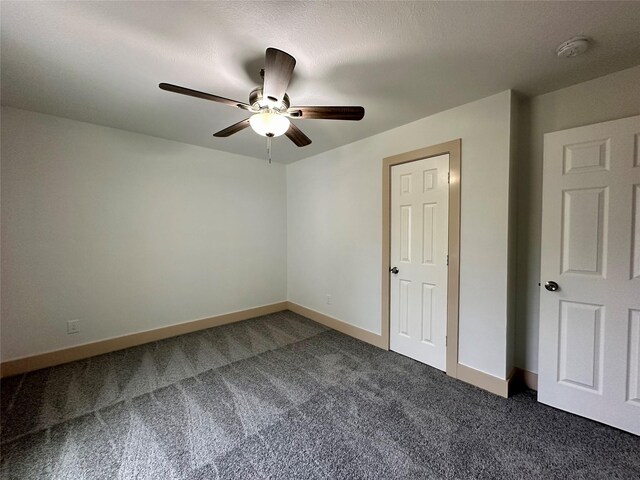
(590, 327)
(419, 236)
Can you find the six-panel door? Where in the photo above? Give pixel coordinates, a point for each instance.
(419, 236)
(589, 361)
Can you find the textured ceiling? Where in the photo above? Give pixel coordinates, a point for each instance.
(101, 62)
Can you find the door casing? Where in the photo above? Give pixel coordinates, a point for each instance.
(453, 148)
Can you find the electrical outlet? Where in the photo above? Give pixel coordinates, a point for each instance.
(73, 326)
(328, 299)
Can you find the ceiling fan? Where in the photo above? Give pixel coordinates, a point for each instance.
(270, 104)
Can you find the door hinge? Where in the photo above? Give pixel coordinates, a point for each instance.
(445, 340)
(447, 260)
(449, 177)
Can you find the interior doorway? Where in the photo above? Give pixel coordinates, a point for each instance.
(426, 195)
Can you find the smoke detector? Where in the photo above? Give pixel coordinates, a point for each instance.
(573, 47)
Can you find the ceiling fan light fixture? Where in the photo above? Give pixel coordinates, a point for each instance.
(269, 124)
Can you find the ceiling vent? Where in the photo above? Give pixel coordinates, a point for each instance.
(573, 47)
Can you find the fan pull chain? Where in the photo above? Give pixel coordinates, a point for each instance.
(269, 149)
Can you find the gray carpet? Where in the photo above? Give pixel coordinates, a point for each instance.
(283, 397)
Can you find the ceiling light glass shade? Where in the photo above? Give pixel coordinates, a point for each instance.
(269, 124)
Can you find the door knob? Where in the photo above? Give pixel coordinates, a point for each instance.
(551, 286)
(394, 270)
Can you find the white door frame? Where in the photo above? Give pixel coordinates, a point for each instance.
(453, 148)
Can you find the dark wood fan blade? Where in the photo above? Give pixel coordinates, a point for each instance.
(296, 136)
(235, 128)
(206, 96)
(328, 113)
(278, 69)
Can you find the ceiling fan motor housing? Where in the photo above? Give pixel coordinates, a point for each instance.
(258, 101)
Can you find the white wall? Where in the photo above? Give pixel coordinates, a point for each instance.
(607, 98)
(334, 223)
(128, 232)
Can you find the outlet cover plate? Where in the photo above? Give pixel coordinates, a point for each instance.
(73, 326)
